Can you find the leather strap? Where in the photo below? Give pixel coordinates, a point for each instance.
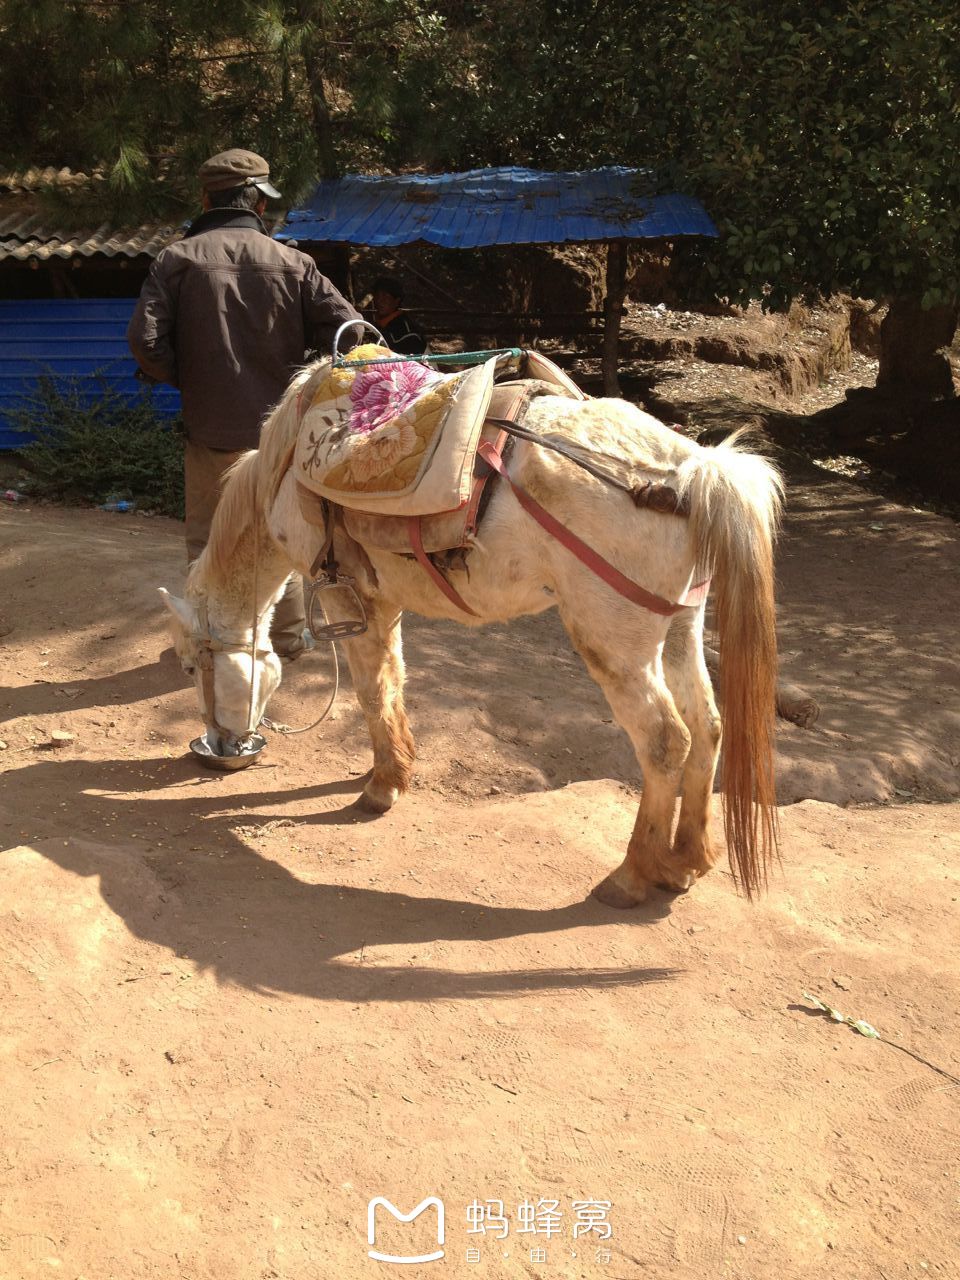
(585, 554)
(327, 544)
(646, 493)
(439, 581)
(481, 476)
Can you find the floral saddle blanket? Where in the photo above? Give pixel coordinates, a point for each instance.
(400, 439)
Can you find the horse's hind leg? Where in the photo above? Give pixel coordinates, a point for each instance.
(376, 665)
(641, 701)
(689, 681)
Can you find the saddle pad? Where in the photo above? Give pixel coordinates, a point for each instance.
(538, 366)
(395, 438)
(444, 531)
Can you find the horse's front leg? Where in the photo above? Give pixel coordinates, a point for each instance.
(376, 665)
(375, 657)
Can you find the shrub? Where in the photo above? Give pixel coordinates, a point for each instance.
(92, 446)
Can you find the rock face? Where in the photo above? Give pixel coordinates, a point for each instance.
(562, 278)
(790, 352)
(456, 292)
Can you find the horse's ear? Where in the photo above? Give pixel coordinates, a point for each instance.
(181, 610)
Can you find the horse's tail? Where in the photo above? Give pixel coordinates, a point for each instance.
(735, 499)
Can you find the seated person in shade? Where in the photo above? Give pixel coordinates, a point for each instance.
(399, 333)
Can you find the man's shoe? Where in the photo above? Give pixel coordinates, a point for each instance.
(295, 651)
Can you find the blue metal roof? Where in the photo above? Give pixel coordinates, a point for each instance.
(81, 338)
(494, 206)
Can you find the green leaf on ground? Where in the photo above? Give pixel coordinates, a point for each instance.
(858, 1025)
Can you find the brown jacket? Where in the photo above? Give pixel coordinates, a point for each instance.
(226, 315)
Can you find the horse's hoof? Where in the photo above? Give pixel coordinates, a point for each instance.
(612, 894)
(377, 799)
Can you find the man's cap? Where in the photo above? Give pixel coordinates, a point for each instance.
(237, 168)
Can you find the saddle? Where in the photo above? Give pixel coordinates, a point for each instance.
(431, 496)
(480, 439)
(396, 438)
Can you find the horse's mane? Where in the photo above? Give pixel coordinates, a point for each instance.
(251, 484)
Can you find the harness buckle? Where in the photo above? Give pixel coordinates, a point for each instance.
(346, 628)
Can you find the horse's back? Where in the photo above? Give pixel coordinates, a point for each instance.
(614, 428)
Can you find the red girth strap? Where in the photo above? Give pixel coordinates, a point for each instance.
(586, 555)
(448, 589)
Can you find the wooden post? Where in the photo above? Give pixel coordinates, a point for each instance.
(612, 309)
(341, 272)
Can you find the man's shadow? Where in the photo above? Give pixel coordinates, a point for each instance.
(135, 684)
(249, 920)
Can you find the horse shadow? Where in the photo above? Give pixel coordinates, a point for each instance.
(249, 920)
(134, 684)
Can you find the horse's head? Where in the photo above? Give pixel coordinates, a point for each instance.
(233, 685)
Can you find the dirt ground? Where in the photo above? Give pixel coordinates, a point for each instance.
(235, 1010)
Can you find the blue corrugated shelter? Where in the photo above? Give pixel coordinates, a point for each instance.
(85, 338)
(506, 206)
(494, 207)
(82, 338)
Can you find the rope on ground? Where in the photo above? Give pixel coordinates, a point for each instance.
(277, 727)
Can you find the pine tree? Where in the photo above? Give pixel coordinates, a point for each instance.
(143, 93)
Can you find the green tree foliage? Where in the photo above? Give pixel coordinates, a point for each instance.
(822, 137)
(145, 92)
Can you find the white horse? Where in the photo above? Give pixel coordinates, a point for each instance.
(650, 667)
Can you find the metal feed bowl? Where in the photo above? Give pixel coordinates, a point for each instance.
(201, 751)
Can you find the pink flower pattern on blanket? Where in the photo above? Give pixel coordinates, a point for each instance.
(383, 393)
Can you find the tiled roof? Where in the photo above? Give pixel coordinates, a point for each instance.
(34, 179)
(25, 235)
(28, 231)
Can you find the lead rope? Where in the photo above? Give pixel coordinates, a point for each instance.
(277, 726)
(254, 635)
(285, 729)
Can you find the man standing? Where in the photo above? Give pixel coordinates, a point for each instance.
(399, 333)
(226, 315)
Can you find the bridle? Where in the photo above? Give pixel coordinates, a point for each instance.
(323, 574)
(208, 646)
